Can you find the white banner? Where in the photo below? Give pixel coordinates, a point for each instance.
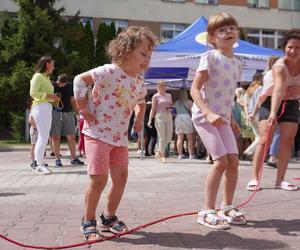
(251, 63)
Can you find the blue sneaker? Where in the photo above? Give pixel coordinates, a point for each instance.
(58, 163)
(76, 161)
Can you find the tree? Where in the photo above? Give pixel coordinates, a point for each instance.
(44, 4)
(38, 30)
(104, 35)
(23, 41)
(88, 48)
(72, 41)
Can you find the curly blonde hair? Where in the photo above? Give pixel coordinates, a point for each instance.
(127, 41)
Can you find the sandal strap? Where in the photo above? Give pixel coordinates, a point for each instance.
(236, 212)
(207, 211)
(227, 208)
(88, 228)
(87, 232)
(88, 223)
(211, 216)
(119, 226)
(113, 223)
(109, 221)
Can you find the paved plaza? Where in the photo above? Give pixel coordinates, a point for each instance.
(46, 210)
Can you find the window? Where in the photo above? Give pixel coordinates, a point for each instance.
(258, 3)
(207, 1)
(119, 23)
(266, 38)
(289, 5)
(170, 30)
(280, 35)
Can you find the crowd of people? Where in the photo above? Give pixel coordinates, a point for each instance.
(230, 122)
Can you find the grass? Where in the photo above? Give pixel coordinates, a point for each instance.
(12, 142)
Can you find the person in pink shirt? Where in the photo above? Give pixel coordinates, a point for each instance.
(118, 89)
(162, 105)
(213, 91)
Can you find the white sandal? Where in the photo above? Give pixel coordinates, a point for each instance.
(210, 218)
(253, 185)
(233, 215)
(287, 186)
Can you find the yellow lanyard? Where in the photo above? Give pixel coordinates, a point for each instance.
(58, 104)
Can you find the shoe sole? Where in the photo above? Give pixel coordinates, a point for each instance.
(37, 173)
(220, 227)
(109, 229)
(41, 173)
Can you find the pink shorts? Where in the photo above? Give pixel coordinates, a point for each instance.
(218, 141)
(102, 156)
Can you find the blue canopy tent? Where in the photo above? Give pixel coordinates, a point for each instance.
(178, 58)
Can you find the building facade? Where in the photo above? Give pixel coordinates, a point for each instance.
(264, 21)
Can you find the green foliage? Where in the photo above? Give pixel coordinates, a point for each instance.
(4, 97)
(23, 41)
(40, 29)
(19, 83)
(14, 91)
(18, 125)
(104, 35)
(88, 47)
(78, 49)
(73, 35)
(43, 4)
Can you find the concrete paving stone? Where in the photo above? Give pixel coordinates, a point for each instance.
(140, 246)
(6, 245)
(24, 226)
(33, 205)
(45, 239)
(6, 222)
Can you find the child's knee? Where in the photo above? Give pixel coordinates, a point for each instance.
(98, 182)
(233, 161)
(221, 164)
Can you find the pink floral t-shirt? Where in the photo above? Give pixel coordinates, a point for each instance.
(219, 89)
(113, 99)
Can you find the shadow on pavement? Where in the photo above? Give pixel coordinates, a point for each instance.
(11, 194)
(283, 227)
(212, 240)
(83, 172)
(11, 149)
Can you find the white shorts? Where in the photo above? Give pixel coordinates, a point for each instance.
(183, 124)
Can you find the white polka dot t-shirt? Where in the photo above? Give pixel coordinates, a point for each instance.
(114, 97)
(219, 89)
